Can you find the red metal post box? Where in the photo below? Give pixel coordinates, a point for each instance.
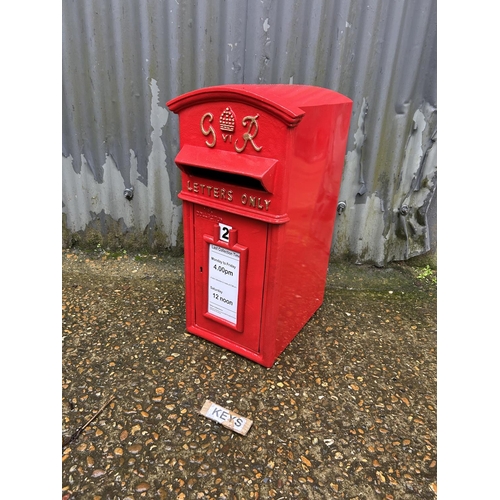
(261, 168)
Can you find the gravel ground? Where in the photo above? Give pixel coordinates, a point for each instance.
(347, 411)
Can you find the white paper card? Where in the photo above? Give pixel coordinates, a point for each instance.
(223, 280)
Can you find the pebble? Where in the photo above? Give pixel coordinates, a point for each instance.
(134, 448)
(141, 487)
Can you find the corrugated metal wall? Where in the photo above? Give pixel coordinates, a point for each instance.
(123, 59)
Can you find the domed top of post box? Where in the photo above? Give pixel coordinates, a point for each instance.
(286, 102)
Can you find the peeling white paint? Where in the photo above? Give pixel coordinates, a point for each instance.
(365, 228)
(266, 24)
(414, 194)
(413, 154)
(84, 196)
(366, 217)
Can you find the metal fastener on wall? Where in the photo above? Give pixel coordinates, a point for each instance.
(404, 209)
(129, 193)
(341, 207)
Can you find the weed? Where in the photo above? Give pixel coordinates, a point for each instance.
(427, 274)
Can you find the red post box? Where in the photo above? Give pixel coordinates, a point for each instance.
(261, 167)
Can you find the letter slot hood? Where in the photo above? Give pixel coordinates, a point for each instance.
(259, 169)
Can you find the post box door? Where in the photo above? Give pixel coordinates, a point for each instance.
(230, 256)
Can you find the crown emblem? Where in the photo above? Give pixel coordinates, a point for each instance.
(226, 120)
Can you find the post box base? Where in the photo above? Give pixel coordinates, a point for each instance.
(257, 357)
(266, 358)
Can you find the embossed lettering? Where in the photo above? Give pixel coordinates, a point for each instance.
(210, 191)
(248, 136)
(255, 202)
(209, 130)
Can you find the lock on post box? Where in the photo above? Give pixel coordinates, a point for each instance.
(261, 167)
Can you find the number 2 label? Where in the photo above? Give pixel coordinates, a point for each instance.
(224, 232)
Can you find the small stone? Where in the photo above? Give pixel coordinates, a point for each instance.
(134, 448)
(141, 487)
(98, 473)
(123, 435)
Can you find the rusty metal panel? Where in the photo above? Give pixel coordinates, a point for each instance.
(123, 59)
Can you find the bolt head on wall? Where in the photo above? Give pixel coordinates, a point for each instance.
(129, 193)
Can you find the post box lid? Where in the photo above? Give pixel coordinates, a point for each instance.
(286, 102)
